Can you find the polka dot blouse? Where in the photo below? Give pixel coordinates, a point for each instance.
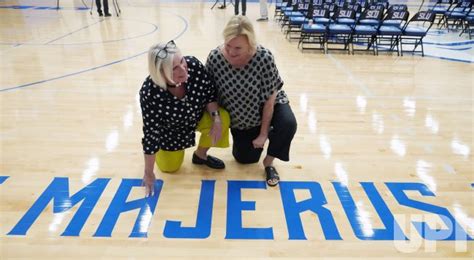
(243, 91)
(169, 123)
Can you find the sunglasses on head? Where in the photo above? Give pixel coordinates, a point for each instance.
(163, 53)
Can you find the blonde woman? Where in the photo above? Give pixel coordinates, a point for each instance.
(249, 88)
(176, 99)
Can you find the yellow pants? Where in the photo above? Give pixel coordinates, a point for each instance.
(170, 161)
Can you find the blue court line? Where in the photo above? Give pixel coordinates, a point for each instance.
(437, 33)
(71, 74)
(438, 57)
(74, 31)
(3, 179)
(42, 7)
(86, 43)
(432, 56)
(454, 49)
(93, 68)
(17, 6)
(35, 7)
(449, 43)
(117, 40)
(446, 58)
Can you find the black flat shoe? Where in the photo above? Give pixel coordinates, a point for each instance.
(108, 15)
(211, 162)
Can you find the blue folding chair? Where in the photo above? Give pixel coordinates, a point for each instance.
(296, 19)
(468, 24)
(366, 29)
(441, 7)
(340, 31)
(391, 30)
(456, 14)
(314, 33)
(416, 29)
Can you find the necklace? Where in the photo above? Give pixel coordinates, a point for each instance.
(174, 86)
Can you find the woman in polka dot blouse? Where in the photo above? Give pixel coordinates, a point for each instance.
(250, 88)
(173, 100)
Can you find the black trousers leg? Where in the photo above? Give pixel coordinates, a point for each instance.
(282, 132)
(99, 6)
(283, 129)
(236, 6)
(244, 7)
(242, 149)
(106, 6)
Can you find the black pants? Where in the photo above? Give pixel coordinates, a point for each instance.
(282, 129)
(236, 7)
(99, 6)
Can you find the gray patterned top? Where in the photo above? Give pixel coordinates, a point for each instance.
(243, 91)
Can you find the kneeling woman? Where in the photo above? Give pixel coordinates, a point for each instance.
(174, 99)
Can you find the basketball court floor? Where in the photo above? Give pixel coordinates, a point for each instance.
(381, 164)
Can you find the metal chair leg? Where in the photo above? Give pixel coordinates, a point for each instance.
(92, 6)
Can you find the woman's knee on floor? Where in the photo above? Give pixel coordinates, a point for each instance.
(247, 157)
(168, 168)
(169, 161)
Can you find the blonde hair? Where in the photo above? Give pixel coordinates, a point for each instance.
(240, 25)
(161, 69)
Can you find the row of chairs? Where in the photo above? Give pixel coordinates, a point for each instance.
(455, 14)
(370, 31)
(323, 25)
(293, 20)
(283, 9)
(449, 13)
(293, 5)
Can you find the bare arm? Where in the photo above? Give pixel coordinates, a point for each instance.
(150, 139)
(149, 177)
(216, 129)
(267, 115)
(211, 107)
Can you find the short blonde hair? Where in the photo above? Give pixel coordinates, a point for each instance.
(160, 63)
(240, 25)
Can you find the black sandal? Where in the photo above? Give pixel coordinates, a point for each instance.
(272, 174)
